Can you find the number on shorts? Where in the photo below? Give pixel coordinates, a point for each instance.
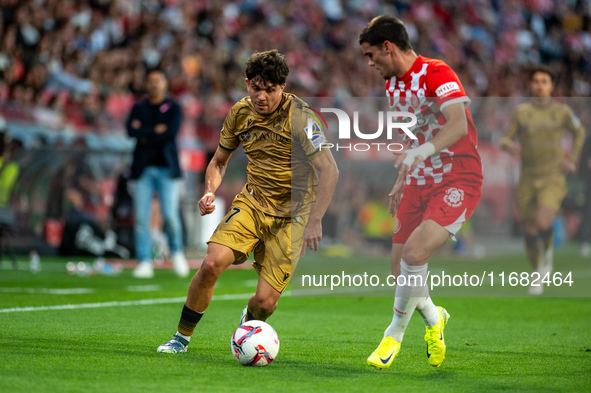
(236, 211)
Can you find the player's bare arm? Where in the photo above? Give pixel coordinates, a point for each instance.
(329, 174)
(213, 178)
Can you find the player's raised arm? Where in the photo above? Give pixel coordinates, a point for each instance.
(455, 128)
(213, 178)
(329, 175)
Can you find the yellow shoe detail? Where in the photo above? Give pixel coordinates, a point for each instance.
(384, 354)
(435, 340)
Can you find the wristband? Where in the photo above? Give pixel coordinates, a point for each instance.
(426, 150)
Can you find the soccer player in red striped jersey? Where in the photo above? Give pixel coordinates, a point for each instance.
(439, 179)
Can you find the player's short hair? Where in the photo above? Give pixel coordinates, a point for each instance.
(269, 66)
(542, 68)
(385, 28)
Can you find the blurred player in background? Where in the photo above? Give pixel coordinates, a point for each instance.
(539, 125)
(278, 213)
(440, 174)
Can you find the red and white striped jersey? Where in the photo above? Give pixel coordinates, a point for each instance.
(425, 90)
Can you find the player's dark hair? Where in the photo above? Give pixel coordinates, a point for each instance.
(542, 68)
(385, 28)
(269, 66)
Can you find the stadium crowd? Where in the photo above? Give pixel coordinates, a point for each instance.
(87, 59)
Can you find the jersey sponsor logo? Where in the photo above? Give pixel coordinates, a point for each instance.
(447, 88)
(249, 122)
(262, 136)
(315, 134)
(245, 136)
(454, 197)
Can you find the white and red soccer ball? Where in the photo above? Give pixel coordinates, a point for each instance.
(254, 343)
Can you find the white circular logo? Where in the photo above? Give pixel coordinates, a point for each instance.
(454, 197)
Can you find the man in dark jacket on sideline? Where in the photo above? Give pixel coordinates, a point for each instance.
(155, 123)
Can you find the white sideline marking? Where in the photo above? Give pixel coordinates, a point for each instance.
(143, 288)
(50, 291)
(144, 302)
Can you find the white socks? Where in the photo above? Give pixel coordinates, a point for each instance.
(406, 299)
(188, 338)
(428, 311)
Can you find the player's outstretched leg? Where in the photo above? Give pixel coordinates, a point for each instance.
(262, 304)
(405, 302)
(435, 319)
(435, 340)
(419, 247)
(534, 254)
(545, 219)
(217, 259)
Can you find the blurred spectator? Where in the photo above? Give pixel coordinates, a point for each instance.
(9, 169)
(155, 123)
(82, 47)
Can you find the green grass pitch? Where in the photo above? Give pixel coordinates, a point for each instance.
(493, 344)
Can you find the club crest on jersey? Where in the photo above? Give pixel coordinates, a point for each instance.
(245, 136)
(278, 124)
(454, 197)
(447, 89)
(314, 133)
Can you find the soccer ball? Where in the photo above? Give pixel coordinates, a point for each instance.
(254, 343)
